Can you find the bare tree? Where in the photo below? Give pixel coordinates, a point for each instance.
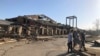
(97, 25)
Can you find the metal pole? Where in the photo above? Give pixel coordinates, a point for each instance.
(76, 22)
(66, 21)
(69, 22)
(73, 22)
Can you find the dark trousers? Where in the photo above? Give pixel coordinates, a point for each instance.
(83, 44)
(69, 44)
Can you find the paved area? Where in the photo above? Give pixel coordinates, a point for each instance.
(55, 47)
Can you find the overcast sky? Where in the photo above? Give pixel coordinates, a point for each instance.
(87, 11)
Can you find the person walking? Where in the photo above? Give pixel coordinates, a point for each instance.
(69, 44)
(76, 39)
(82, 38)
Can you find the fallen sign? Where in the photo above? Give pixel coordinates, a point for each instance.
(98, 40)
(97, 43)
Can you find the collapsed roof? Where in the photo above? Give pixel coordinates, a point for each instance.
(4, 22)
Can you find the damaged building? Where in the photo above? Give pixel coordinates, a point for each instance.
(4, 27)
(40, 25)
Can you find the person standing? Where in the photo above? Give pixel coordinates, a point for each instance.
(69, 44)
(82, 38)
